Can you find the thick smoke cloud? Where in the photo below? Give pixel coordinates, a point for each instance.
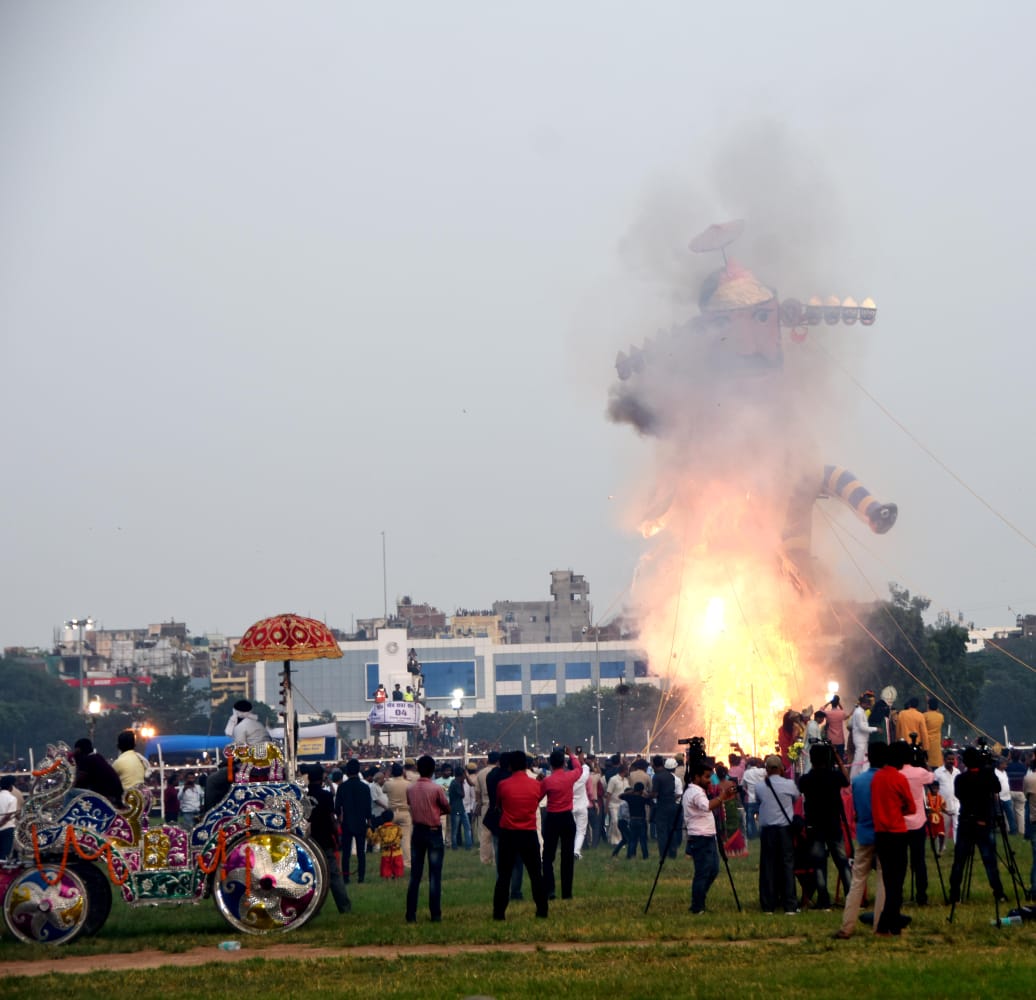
(734, 431)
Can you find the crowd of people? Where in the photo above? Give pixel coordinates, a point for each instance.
(860, 792)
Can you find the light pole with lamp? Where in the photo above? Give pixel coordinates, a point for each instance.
(93, 709)
(456, 704)
(81, 624)
(536, 732)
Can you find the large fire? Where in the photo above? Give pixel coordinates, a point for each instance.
(721, 620)
(729, 597)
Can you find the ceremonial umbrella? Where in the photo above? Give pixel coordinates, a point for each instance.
(287, 637)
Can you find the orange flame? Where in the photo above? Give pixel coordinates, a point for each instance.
(721, 619)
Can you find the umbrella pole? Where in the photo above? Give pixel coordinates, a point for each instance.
(289, 723)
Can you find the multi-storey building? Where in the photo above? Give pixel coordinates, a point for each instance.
(493, 677)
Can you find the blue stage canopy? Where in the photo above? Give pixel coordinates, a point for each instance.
(187, 746)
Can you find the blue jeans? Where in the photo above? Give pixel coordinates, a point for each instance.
(459, 823)
(425, 842)
(705, 855)
(752, 820)
(1007, 811)
(638, 836)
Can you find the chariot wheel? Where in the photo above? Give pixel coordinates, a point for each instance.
(39, 913)
(270, 882)
(99, 896)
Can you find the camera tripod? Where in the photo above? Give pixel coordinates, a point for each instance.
(1007, 857)
(674, 826)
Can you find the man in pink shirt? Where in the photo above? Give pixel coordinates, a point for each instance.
(919, 778)
(559, 825)
(428, 804)
(835, 718)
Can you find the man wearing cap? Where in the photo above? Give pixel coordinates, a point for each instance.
(699, 822)
(776, 796)
(244, 726)
(428, 804)
(860, 731)
(663, 792)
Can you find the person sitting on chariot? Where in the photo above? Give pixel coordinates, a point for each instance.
(94, 773)
(244, 725)
(131, 767)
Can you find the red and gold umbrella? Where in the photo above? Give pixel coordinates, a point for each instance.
(287, 637)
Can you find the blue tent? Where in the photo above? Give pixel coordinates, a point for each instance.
(192, 747)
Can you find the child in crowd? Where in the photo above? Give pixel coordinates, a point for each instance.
(936, 824)
(638, 820)
(390, 836)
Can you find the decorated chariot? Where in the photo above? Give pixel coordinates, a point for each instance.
(250, 853)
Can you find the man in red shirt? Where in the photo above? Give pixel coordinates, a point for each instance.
(559, 825)
(891, 801)
(518, 798)
(428, 804)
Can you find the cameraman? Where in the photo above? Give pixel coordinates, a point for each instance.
(977, 791)
(700, 825)
(821, 789)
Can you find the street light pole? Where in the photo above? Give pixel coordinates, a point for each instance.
(456, 703)
(93, 710)
(597, 659)
(81, 624)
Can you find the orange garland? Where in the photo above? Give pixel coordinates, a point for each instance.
(217, 857)
(71, 840)
(47, 770)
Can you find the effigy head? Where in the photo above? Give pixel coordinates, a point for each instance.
(743, 315)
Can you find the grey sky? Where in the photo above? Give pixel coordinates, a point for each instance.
(275, 278)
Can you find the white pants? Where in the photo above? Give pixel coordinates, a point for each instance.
(580, 816)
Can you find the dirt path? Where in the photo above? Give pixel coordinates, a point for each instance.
(85, 964)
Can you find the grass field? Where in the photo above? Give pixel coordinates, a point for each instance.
(664, 953)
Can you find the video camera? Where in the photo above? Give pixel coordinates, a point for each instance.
(918, 754)
(825, 754)
(696, 751)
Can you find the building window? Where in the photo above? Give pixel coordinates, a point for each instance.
(640, 668)
(508, 702)
(508, 672)
(613, 668)
(443, 677)
(544, 672)
(372, 680)
(577, 671)
(540, 701)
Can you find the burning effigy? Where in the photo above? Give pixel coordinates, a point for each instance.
(729, 595)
